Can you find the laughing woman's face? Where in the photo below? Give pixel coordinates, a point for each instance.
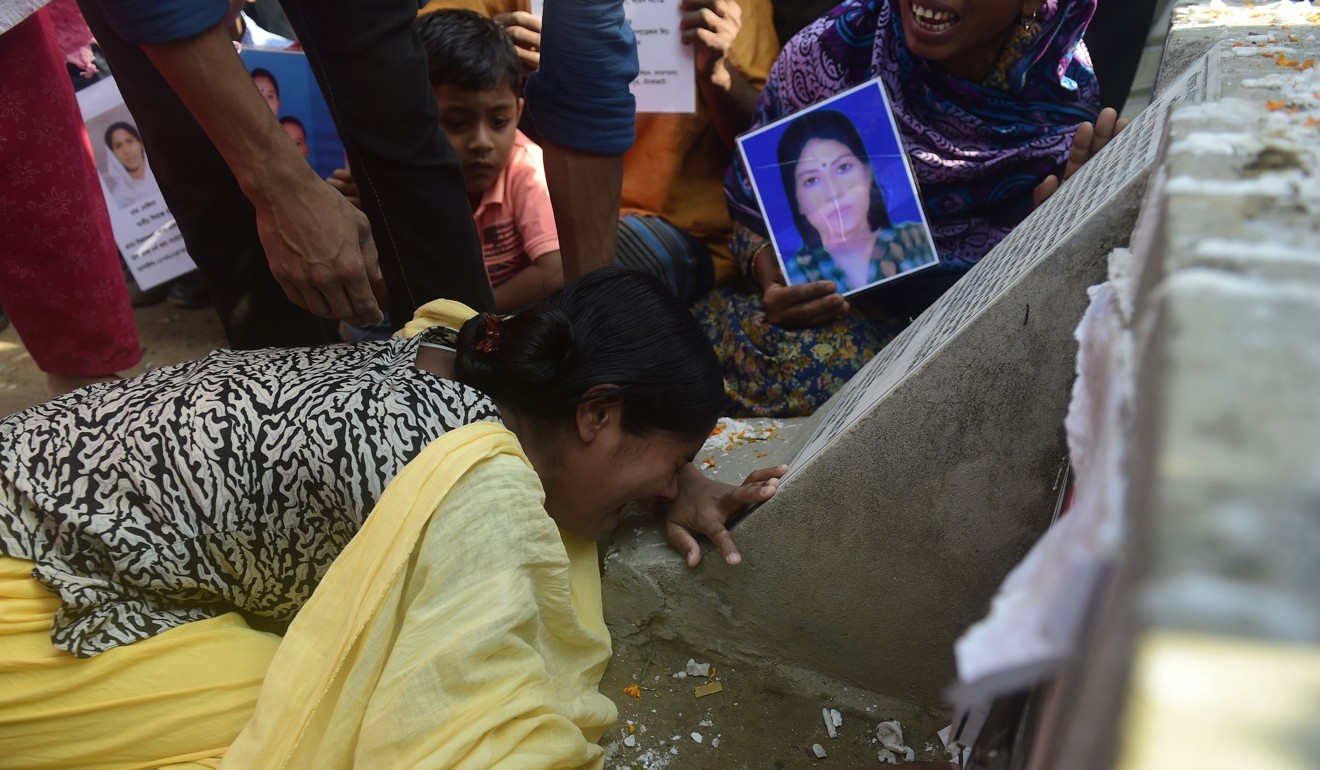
(963, 37)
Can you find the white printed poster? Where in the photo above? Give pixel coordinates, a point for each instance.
(143, 227)
(666, 80)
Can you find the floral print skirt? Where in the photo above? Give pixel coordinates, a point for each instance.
(774, 372)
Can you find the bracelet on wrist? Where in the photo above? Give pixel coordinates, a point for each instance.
(749, 268)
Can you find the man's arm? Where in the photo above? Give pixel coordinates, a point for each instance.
(586, 190)
(319, 246)
(583, 109)
(588, 224)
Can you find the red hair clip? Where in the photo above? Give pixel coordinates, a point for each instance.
(491, 341)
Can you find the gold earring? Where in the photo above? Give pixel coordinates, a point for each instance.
(1029, 23)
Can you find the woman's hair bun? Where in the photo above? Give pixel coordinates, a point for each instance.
(614, 326)
(519, 359)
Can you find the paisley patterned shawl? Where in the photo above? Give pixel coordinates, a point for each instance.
(977, 149)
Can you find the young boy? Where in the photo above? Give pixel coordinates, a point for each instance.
(477, 79)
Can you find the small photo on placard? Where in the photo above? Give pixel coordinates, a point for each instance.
(837, 193)
(285, 81)
(143, 227)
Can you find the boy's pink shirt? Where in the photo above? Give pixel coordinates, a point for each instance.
(514, 221)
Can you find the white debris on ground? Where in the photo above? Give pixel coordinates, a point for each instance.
(890, 736)
(629, 755)
(683, 733)
(649, 759)
(957, 752)
(832, 719)
(729, 434)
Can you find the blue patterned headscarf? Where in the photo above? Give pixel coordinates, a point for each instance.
(977, 149)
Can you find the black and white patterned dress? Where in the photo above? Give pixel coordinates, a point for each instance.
(229, 483)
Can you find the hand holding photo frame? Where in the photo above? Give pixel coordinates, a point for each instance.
(837, 193)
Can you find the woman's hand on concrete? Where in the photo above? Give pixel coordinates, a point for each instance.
(702, 507)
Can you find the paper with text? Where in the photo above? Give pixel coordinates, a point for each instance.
(666, 81)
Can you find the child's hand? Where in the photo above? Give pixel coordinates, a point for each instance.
(524, 30)
(342, 180)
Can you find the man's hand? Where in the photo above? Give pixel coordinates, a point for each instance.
(803, 306)
(524, 30)
(319, 246)
(702, 506)
(1089, 140)
(321, 252)
(711, 26)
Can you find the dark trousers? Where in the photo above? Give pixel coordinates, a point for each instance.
(1116, 38)
(372, 69)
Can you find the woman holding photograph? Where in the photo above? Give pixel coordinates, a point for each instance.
(839, 208)
(129, 180)
(990, 98)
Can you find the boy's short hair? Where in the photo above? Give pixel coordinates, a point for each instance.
(468, 50)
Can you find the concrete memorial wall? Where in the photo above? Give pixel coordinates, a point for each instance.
(1207, 651)
(927, 477)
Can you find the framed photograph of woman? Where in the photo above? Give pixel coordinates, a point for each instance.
(835, 187)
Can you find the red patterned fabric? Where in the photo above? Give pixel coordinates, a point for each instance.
(60, 280)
